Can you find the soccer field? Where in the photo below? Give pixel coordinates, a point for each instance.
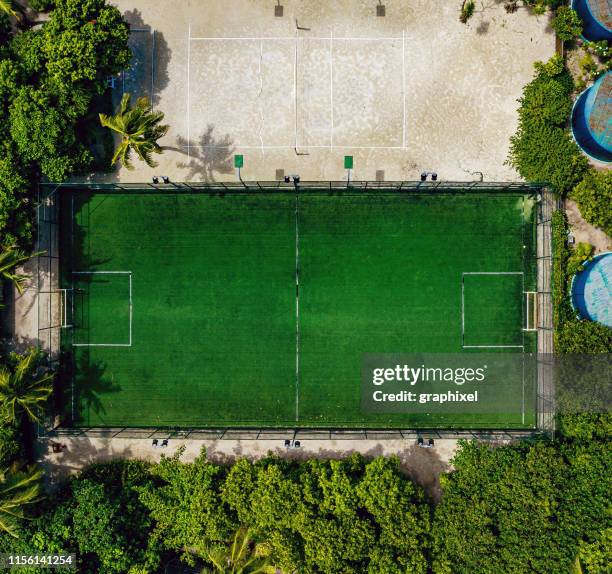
(255, 310)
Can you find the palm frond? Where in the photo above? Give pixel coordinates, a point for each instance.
(139, 127)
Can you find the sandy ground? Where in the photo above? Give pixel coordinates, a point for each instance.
(410, 91)
(584, 232)
(421, 464)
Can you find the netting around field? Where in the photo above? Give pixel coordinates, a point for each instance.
(217, 335)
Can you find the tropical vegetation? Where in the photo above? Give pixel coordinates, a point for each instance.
(525, 507)
(25, 386)
(52, 81)
(139, 127)
(19, 488)
(594, 198)
(542, 149)
(567, 24)
(10, 258)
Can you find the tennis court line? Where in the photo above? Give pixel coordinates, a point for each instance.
(331, 88)
(296, 39)
(297, 306)
(295, 94)
(404, 88)
(463, 345)
(329, 146)
(129, 274)
(188, 92)
(292, 38)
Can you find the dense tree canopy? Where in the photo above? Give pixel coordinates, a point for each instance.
(524, 508)
(520, 509)
(542, 149)
(49, 78)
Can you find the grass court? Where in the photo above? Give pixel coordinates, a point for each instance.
(255, 309)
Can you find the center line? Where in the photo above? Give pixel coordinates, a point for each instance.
(331, 87)
(297, 306)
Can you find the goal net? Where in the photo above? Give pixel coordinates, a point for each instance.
(531, 311)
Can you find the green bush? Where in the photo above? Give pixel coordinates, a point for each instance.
(585, 426)
(467, 11)
(521, 508)
(582, 253)
(542, 149)
(562, 310)
(583, 336)
(41, 5)
(10, 445)
(85, 41)
(48, 80)
(567, 24)
(594, 198)
(540, 6)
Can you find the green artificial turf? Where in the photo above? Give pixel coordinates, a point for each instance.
(213, 334)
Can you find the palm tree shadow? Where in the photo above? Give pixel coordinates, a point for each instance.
(208, 156)
(87, 382)
(147, 74)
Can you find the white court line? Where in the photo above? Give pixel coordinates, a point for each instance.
(404, 88)
(493, 347)
(292, 38)
(188, 92)
(295, 39)
(129, 274)
(331, 88)
(213, 146)
(152, 65)
(261, 87)
(295, 94)
(463, 346)
(297, 307)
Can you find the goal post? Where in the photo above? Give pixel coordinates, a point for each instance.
(531, 311)
(66, 308)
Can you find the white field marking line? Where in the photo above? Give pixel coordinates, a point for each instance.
(297, 307)
(522, 216)
(492, 347)
(129, 274)
(463, 346)
(261, 87)
(372, 147)
(295, 94)
(72, 286)
(523, 393)
(404, 88)
(331, 88)
(462, 311)
(292, 38)
(533, 295)
(526, 318)
(152, 65)
(188, 92)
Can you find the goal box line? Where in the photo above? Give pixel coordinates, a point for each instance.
(130, 310)
(489, 273)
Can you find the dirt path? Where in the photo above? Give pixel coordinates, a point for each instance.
(583, 231)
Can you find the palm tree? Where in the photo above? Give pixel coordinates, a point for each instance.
(22, 389)
(7, 7)
(18, 488)
(241, 556)
(139, 128)
(10, 257)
